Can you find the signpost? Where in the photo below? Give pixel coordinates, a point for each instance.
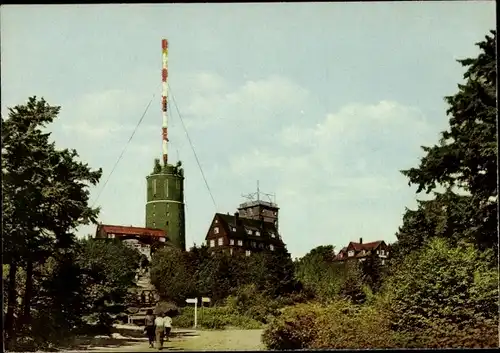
(203, 300)
(195, 302)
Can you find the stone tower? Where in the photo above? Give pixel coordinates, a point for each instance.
(165, 202)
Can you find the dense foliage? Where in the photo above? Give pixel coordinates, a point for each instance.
(53, 281)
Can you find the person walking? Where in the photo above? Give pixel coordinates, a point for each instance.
(160, 330)
(150, 327)
(168, 327)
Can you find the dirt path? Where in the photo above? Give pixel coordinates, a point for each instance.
(182, 340)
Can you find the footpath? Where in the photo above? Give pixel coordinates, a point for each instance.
(181, 340)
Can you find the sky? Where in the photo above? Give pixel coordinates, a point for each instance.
(322, 103)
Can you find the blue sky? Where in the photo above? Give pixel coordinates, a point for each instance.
(323, 103)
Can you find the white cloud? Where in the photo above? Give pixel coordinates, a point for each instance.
(215, 101)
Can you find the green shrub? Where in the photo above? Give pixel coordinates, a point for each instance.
(339, 325)
(446, 296)
(214, 318)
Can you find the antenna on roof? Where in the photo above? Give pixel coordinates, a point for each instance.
(255, 196)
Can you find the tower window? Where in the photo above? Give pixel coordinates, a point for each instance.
(154, 207)
(216, 230)
(166, 223)
(154, 186)
(154, 224)
(166, 188)
(154, 214)
(168, 206)
(168, 214)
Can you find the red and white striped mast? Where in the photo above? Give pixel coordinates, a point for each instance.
(164, 76)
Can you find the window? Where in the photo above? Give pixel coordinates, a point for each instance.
(166, 188)
(261, 246)
(231, 251)
(154, 224)
(212, 243)
(154, 186)
(248, 252)
(275, 213)
(254, 244)
(383, 262)
(168, 206)
(377, 252)
(166, 223)
(216, 230)
(154, 207)
(387, 253)
(382, 252)
(271, 247)
(168, 214)
(249, 232)
(221, 241)
(350, 253)
(233, 229)
(231, 241)
(341, 255)
(154, 214)
(250, 212)
(216, 221)
(257, 233)
(273, 235)
(240, 242)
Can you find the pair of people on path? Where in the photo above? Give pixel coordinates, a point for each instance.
(158, 328)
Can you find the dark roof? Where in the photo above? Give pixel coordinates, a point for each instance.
(229, 222)
(358, 248)
(123, 230)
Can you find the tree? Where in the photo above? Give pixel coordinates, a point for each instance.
(319, 274)
(172, 276)
(446, 296)
(45, 197)
(108, 268)
(466, 156)
(447, 216)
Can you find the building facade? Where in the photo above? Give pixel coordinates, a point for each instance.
(260, 210)
(145, 240)
(233, 233)
(361, 251)
(165, 202)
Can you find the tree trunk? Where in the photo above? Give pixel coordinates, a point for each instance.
(11, 304)
(28, 294)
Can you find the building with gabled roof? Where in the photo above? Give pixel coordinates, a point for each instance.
(361, 251)
(143, 239)
(233, 233)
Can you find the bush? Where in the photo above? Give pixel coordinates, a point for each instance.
(250, 302)
(214, 318)
(446, 296)
(339, 325)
